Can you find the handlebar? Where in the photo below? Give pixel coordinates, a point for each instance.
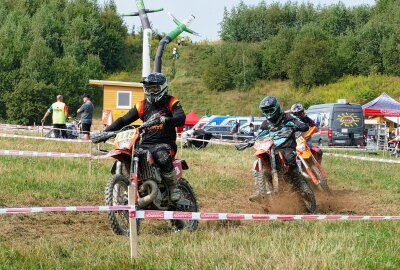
(104, 136)
(244, 145)
(241, 146)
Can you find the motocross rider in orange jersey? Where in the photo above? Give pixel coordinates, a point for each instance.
(160, 139)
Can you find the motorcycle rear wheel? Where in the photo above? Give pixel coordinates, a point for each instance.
(188, 194)
(307, 197)
(323, 183)
(116, 193)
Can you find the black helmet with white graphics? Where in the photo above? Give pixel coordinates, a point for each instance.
(155, 87)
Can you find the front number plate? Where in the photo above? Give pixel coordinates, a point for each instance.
(300, 140)
(125, 135)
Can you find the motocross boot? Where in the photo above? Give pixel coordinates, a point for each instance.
(171, 181)
(263, 188)
(294, 177)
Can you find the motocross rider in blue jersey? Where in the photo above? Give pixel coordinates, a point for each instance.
(282, 127)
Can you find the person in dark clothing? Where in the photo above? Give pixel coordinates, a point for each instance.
(298, 110)
(160, 139)
(281, 127)
(86, 111)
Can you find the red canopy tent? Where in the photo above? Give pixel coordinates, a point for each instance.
(192, 118)
(383, 105)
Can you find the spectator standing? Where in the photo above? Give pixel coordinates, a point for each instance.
(86, 111)
(59, 111)
(251, 126)
(175, 53)
(235, 130)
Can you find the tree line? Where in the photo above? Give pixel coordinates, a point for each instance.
(50, 47)
(310, 45)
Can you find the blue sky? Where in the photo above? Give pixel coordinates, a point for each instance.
(208, 13)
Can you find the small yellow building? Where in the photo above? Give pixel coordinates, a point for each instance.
(118, 98)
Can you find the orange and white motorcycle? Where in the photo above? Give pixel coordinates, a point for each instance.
(308, 165)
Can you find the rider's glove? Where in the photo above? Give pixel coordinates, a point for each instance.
(155, 119)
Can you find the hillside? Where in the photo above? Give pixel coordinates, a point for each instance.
(186, 83)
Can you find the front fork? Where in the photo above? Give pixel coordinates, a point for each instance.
(118, 167)
(134, 177)
(319, 166)
(308, 169)
(259, 167)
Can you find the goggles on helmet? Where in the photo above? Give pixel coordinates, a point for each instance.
(269, 110)
(152, 89)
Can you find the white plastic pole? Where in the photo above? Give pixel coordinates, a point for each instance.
(132, 219)
(147, 34)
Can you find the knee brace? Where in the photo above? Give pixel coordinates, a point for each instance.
(163, 159)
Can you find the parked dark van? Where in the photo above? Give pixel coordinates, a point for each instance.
(340, 124)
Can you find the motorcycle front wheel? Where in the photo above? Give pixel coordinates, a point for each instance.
(189, 204)
(116, 193)
(323, 183)
(307, 197)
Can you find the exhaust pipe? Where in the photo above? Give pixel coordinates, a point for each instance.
(146, 200)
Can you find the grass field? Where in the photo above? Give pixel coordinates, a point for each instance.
(221, 178)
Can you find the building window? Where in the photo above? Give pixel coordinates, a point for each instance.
(124, 100)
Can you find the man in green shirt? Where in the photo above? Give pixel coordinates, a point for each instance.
(60, 114)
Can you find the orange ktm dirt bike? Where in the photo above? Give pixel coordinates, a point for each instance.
(310, 168)
(271, 164)
(136, 164)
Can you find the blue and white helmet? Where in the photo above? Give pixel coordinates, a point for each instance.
(155, 87)
(297, 109)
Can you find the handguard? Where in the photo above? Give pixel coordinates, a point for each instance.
(242, 146)
(102, 136)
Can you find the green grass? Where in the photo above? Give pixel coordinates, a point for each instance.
(221, 178)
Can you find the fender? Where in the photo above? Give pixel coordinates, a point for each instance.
(179, 166)
(122, 155)
(258, 165)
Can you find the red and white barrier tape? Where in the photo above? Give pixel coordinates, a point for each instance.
(26, 210)
(382, 160)
(42, 154)
(214, 141)
(345, 149)
(49, 154)
(4, 135)
(232, 216)
(9, 126)
(152, 214)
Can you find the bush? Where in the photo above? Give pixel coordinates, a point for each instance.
(29, 101)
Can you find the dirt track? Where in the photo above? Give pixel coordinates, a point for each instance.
(64, 224)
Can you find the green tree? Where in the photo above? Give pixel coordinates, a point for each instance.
(310, 61)
(37, 64)
(276, 52)
(334, 19)
(112, 39)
